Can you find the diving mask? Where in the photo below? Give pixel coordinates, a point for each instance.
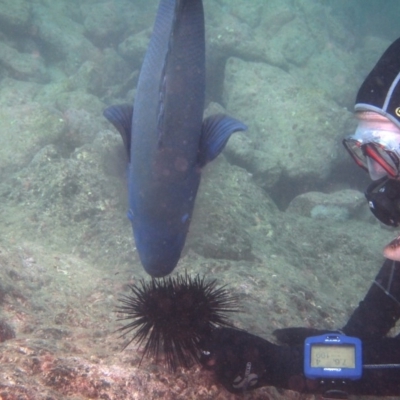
(375, 146)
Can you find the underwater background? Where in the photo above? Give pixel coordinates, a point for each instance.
(280, 216)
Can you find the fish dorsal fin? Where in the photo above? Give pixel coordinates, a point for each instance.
(120, 116)
(215, 133)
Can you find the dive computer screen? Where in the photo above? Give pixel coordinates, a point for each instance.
(332, 356)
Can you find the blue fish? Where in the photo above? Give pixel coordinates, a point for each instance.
(167, 141)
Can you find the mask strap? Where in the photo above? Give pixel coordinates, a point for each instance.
(375, 184)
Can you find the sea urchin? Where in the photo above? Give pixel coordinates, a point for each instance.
(173, 315)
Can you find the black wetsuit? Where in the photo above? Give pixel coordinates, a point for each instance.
(380, 309)
(242, 361)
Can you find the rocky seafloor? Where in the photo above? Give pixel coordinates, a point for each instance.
(280, 217)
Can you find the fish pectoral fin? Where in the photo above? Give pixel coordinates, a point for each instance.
(215, 133)
(120, 115)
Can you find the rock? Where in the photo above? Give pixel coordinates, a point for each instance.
(23, 130)
(134, 47)
(228, 36)
(99, 78)
(15, 92)
(50, 30)
(14, 16)
(73, 188)
(294, 131)
(333, 71)
(298, 44)
(80, 100)
(104, 23)
(82, 127)
(339, 206)
(250, 15)
(107, 24)
(6, 332)
(228, 206)
(23, 66)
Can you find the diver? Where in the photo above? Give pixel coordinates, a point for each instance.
(242, 361)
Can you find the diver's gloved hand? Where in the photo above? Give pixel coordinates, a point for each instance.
(242, 361)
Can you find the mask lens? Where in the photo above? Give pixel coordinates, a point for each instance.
(385, 158)
(375, 170)
(375, 145)
(373, 157)
(354, 147)
(390, 159)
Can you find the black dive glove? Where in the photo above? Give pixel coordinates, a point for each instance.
(242, 361)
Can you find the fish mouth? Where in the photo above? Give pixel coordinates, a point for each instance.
(159, 253)
(159, 270)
